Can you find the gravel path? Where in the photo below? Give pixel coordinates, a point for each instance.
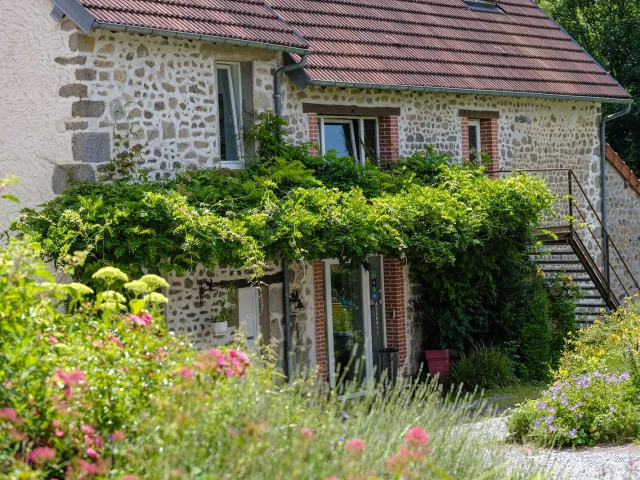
(610, 463)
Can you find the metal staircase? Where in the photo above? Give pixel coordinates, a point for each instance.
(563, 252)
(599, 269)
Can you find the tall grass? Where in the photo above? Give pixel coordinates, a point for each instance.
(252, 430)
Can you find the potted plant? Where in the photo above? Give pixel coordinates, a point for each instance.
(437, 357)
(224, 314)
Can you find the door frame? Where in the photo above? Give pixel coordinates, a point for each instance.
(366, 309)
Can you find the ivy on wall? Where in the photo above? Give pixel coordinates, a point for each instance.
(452, 224)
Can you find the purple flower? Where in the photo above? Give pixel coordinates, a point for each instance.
(537, 423)
(612, 409)
(573, 432)
(564, 401)
(549, 418)
(580, 415)
(625, 376)
(551, 428)
(542, 405)
(345, 415)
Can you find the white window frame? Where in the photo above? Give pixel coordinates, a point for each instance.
(237, 116)
(477, 145)
(349, 121)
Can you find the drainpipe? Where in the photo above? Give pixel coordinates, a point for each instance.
(603, 185)
(286, 305)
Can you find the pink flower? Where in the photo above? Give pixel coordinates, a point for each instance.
(87, 467)
(137, 320)
(331, 478)
(53, 340)
(116, 340)
(306, 433)
(417, 437)
(91, 453)
(87, 429)
(8, 414)
(58, 433)
(356, 445)
(146, 318)
(117, 436)
(187, 374)
(41, 455)
(129, 477)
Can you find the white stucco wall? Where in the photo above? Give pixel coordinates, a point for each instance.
(32, 130)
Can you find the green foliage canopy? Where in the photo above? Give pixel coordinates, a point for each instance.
(452, 224)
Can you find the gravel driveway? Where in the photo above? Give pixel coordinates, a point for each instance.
(610, 463)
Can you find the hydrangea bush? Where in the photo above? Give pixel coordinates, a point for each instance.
(595, 396)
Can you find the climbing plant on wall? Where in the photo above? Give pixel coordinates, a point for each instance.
(451, 223)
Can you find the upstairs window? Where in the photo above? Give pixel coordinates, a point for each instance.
(230, 114)
(474, 140)
(350, 137)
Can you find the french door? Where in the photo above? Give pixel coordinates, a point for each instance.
(355, 324)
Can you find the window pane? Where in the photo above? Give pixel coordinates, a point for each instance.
(227, 117)
(371, 140)
(474, 146)
(337, 136)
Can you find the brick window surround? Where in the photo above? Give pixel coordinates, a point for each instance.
(488, 135)
(393, 279)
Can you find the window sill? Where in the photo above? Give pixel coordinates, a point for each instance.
(239, 165)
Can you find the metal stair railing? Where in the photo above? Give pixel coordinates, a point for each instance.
(568, 234)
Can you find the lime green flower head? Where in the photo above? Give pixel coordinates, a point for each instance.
(110, 274)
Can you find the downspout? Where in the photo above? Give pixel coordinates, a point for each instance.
(286, 305)
(603, 186)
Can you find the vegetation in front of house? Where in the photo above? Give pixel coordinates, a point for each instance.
(464, 235)
(595, 396)
(483, 367)
(100, 390)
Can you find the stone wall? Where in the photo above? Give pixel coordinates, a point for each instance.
(189, 314)
(623, 213)
(157, 92)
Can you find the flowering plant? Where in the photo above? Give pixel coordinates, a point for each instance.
(595, 396)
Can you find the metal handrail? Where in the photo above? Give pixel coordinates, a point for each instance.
(570, 177)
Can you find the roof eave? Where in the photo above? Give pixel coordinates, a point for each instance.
(195, 36)
(500, 93)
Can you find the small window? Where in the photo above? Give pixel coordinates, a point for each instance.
(474, 140)
(490, 6)
(230, 115)
(350, 137)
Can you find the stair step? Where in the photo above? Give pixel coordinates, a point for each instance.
(565, 270)
(559, 262)
(591, 297)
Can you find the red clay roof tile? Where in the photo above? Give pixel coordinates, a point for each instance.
(237, 19)
(410, 43)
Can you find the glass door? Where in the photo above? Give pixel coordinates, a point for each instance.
(354, 323)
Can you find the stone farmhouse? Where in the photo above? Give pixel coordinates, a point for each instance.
(356, 76)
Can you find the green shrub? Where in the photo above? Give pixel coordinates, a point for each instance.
(563, 294)
(456, 228)
(98, 392)
(484, 367)
(596, 393)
